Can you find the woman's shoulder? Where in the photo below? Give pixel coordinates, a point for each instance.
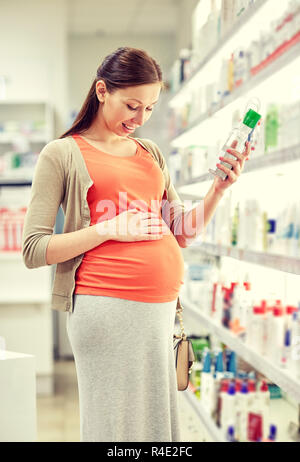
(57, 148)
(153, 148)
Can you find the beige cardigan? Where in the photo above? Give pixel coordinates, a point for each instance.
(61, 178)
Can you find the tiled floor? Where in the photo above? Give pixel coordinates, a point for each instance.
(58, 415)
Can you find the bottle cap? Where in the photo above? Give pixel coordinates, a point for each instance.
(295, 316)
(273, 431)
(264, 386)
(291, 309)
(238, 384)
(244, 388)
(231, 389)
(277, 311)
(251, 385)
(247, 285)
(257, 310)
(224, 385)
(251, 118)
(230, 431)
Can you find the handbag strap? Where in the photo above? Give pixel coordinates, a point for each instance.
(179, 310)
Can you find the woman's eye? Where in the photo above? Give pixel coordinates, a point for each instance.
(132, 108)
(135, 108)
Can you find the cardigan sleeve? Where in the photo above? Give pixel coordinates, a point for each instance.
(47, 192)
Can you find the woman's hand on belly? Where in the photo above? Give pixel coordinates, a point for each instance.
(134, 225)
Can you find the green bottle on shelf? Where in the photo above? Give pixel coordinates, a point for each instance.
(271, 128)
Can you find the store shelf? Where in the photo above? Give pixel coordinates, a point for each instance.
(9, 138)
(286, 58)
(247, 15)
(11, 255)
(210, 426)
(278, 262)
(285, 380)
(283, 414)
(15, 182)
(273, 159)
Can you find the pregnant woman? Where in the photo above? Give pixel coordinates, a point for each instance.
(119, 264)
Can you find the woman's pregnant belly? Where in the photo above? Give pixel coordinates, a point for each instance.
(149, 271)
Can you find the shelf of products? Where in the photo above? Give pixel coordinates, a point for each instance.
(25, 128)
(271, 160)
(252, 9)
(278, 407)
(283, 60)
(214, 431)
(278, 262)
(282, 378)
(253, 225)
(243, 67)
(25, 295)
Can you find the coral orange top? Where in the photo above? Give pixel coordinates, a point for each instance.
(146, 271)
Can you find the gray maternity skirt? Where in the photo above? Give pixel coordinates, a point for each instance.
(123, 351)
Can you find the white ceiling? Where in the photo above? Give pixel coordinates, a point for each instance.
(122, 17)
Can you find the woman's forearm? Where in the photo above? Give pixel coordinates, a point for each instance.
(63, 247)
(196, 220)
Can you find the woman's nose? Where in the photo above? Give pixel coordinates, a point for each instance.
(139, 119)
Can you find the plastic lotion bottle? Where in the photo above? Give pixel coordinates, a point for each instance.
(245, 304)
(272, 434)
(230, 434)
(263, 397)
(294, 359)
(277, 336)
(237, 140)
(228, 408)
(207, 383)
(243, 406)
(257, 329)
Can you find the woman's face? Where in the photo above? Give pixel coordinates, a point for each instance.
(130, 107)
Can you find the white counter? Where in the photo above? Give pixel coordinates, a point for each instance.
(17, 397)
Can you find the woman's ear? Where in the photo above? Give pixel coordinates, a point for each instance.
(101, 90)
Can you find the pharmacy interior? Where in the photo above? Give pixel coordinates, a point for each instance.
(241, 291)
(240, 294)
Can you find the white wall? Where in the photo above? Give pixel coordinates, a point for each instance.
(33, 52)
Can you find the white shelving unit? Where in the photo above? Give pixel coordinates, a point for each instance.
(211, 428)
(284, 379)
(278, 262)
(258, 163)
(187, 136)
(18, 419)
(245, 18)
(248, 86)
(25, 294)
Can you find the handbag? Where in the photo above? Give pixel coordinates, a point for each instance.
(183, 352)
